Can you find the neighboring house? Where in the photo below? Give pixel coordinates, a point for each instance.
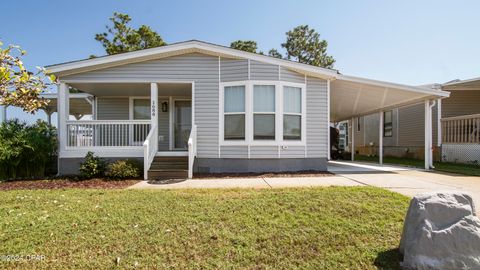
(404, 133)
(199, 107)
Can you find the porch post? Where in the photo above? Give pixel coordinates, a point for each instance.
(380, 139)
(63, 111)
(49, 118)
(427, 135)
(353, 138)
(154, 110)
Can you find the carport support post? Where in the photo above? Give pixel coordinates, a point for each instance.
(352, 128)
(380, 139)
(428, 132)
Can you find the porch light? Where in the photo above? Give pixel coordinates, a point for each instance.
(165, 106)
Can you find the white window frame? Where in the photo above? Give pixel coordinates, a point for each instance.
(130, 117)
(279, 111)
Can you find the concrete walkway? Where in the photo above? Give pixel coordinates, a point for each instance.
(407, 181)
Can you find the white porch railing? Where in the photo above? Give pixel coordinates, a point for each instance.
(192, 150)
(461, 129)
(150, 147)
(107, 133)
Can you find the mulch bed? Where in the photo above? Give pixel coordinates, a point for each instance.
(261, 175)
(63, 183)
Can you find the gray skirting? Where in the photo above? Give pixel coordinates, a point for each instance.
(230, 165)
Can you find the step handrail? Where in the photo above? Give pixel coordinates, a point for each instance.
(192, 150)
(150, 146)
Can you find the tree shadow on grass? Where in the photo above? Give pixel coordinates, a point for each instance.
(389, 259)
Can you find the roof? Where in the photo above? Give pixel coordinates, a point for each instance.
(469, 84)
(182, 48)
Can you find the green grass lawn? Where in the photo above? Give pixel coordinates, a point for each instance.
(310, 228)
(465, 169)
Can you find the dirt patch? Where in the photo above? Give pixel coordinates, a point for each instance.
(261, 175)
(63, 183)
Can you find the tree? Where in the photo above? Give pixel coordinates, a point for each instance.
(245, 45)
(275, 53)
(123, 38)
(305, 46)
(18, 86)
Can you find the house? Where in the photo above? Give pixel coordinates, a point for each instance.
(199, 107)
(457, 139)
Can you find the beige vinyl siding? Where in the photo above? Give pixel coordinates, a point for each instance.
(461, 102)
(233, 70)
(200, 68)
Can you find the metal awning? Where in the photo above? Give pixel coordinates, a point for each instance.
(353, 96)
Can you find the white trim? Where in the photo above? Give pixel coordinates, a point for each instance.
(279, 112)
(63, 114)
(71, 95)
(426, 133)
(329, 150)
(353, 139)
(172, 124)
(380, 137)
(124, 152)
(219, 102)
(439, 122)
(178, 49)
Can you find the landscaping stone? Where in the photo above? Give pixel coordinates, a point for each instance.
(441, 231)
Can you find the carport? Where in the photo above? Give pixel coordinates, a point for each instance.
(351, 97)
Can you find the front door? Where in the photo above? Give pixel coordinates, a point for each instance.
(182, 123)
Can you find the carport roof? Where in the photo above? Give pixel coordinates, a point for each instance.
(349, 96)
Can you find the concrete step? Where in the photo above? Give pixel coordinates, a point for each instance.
(157, 174)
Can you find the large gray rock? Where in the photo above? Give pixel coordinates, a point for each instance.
(441, 231)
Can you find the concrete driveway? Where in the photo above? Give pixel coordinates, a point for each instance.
(407, 181)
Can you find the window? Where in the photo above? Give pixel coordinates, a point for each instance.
(234, 113)
(264, 112)
(358, 124)
(387, 124)
(292, 113)
(141, 109)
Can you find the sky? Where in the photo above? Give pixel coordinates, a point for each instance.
(410, 42)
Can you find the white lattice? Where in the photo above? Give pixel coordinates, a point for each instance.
(464, 153)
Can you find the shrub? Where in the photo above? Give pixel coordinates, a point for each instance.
(122, 169)
(93, 166)
(26, 151)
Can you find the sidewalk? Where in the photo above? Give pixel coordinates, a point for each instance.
(260, 182)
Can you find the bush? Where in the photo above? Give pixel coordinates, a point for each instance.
(26, 151)
(122, 169)
(93, 166)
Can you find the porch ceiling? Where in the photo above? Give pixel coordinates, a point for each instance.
(133, 89)
(352, 97)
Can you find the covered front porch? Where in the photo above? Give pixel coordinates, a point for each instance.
(126, 118)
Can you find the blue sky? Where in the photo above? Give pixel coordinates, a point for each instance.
(411, 42)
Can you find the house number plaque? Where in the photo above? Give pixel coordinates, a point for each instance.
(153, 108)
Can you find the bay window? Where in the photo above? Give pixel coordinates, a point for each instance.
(234, 113)
(264, 112)
(292, 113)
